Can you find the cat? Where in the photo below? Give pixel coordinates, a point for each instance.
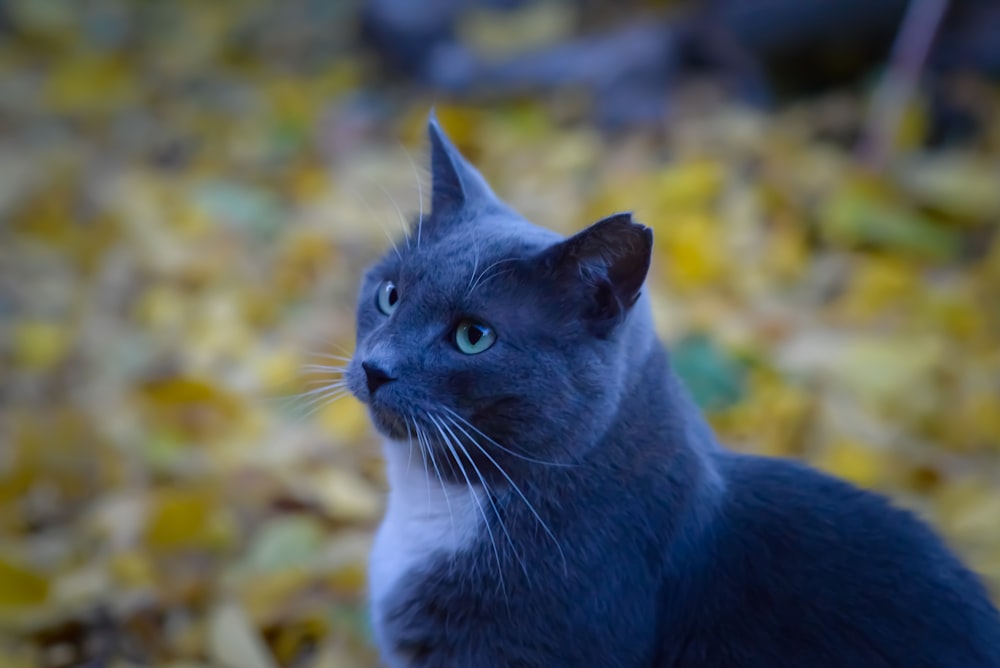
(556, 498)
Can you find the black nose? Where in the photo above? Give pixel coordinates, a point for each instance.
(375, 376)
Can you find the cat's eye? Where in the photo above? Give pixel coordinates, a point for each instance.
(387, 297)
(473, 337)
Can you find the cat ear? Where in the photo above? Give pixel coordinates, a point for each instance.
(457, 185)
(609, 260)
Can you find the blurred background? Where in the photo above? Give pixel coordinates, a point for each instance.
(190, 190)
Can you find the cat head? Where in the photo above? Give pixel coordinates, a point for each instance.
(485, 336)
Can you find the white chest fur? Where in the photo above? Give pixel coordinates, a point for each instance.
(424, 518)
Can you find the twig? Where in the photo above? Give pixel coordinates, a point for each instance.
(909, 52)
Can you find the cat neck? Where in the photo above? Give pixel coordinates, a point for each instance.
(652, 405)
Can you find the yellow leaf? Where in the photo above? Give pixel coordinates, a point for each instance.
(788, 251)
(133, 570)
(233, 642)
(89, 83)
(497, 34)
(911, 130)
(293, 638)
(977, 422)
(350, 578)
(694, 247)
(969, 508)
(773, 418)
(346, 419)
(689, 185)
(258, 592)
(162, 307)
(40, 345)
(196, 408)
(346, 496)
(859, 463)
(183, 518)
(877, 284)
(21, 587)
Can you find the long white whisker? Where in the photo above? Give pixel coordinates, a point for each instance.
(484, 272)
(323, 367)
(321, 394)
(335, 358)
(447, 443)
(304, 401)
(399, 213)
(444, 487)
(340, 348)
(314, 378)
(482, 511)
(420, 191)
(496, 274)
(423, 457)
(475, 266)
(321, 380)
(371, 212)
(517, 489)
(312, 405)
(489, 493)
(505, 449)
(409, 442)
(335, 385)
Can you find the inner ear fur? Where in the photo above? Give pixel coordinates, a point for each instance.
(606, 264)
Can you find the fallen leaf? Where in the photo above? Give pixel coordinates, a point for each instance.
(233, 642)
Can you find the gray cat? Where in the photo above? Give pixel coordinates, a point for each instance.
(557, 500)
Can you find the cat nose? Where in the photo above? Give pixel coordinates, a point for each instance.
(375, 376)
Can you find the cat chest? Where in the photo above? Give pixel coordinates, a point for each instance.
(425, 520)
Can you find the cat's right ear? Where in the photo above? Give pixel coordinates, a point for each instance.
(606, 265)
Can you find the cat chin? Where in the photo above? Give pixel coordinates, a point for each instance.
(390, 424)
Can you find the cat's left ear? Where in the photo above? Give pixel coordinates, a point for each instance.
(606, 264)
(457, 186)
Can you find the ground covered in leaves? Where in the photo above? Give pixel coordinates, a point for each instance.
(186, 200)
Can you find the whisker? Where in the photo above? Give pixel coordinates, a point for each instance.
(338, 346)
(337, 384)
(338, 358)
(505, 449)
(399, 213)
(444, 488)
(354, 191)
(323, 367)
(420, 190)
(495, 275)
(479, 503)
(489, 493)
(317, 377)
(321, 393)
(484, 272)
(475, 266)
(421, 439)
(303, 401)
(517, 489)
(409, 442)
(313, 382)
(305, 409)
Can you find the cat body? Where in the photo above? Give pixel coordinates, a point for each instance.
(556, 499)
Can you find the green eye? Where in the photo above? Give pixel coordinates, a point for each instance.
(387, 297)
(473, 337)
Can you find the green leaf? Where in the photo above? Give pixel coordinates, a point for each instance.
(853, 219)
(715, 378)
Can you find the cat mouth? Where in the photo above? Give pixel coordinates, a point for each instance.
(389, 422)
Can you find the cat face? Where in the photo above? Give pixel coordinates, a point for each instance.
(485, 337)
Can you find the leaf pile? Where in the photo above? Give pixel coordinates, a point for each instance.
(187, 197)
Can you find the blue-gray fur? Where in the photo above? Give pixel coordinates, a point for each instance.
(645, 542)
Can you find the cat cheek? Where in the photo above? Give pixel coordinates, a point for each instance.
(464, 384)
